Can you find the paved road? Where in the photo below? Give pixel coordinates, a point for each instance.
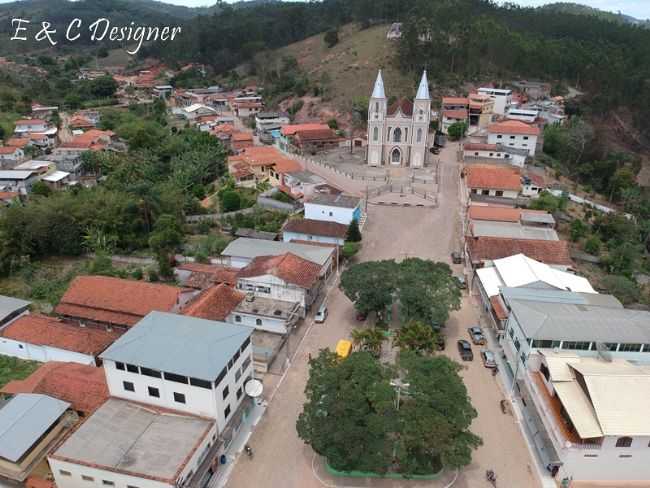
(282, 460)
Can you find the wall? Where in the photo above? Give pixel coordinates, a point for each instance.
(32, 352)
(280, 290)
(289, 236)
(528, 142)
(493, 193)
(329, 214)
(269, 324)
(76, 471)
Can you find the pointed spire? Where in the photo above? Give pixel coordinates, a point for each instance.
(423, 89)
(378, 91)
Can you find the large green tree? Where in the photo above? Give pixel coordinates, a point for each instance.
(370, 285)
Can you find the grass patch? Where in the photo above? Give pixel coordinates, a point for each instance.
(15, 369)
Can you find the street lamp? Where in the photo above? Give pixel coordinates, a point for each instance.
(399, 384)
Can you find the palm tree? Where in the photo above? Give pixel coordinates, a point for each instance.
(370, 339)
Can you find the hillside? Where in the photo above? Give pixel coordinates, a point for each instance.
(578, 9)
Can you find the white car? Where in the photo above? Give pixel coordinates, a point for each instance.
(321, 315)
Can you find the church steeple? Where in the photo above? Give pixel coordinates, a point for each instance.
(378, 90)
(423, 89)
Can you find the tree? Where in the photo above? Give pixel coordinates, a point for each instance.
(331, 38)
(230, 201)
(623, 288)
(417, 337)
(353, 234)
(41, 188)
(350, 249)
(349, 412)
(593, 245)
(369, 340)
(457, 130)
(167, 235)
(578, 230)
(370, 285)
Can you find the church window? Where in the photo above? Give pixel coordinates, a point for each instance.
(419, 138)
(406, 135)
(395, 155)
(375, 134)
(388, 134)
(397, 135)
(376, 106)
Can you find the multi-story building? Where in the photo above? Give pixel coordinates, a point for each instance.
(514, 133)
(502, 99)
(339, 208)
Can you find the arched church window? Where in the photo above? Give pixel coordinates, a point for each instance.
(388, 134)
(406, 135)
(377, 107)
(419, 137)
(397, 135)
(375, 134)
(395, 155)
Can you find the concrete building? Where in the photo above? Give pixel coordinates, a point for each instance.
(340, 208)
(494, 153)
(483, 251)
(10, 155)
(502, 99)
(267, 121)
(36, 337)
(301, 184)
(514, 133)
(314, 230)
(183, 363)
(525, 115)
(492, 180)
(127, 445)
(31, 125)
(18, 181)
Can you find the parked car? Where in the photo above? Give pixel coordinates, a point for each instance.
(489, 361)
(476, 334)
(465, 350)
(321, 315)
(460, 281)
(456, 257)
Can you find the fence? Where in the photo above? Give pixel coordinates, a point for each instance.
(193, 219)
(271, 203)
(403, 189)
(352, 176)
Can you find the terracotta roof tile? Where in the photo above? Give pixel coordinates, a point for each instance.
(316, 134)
(491, 248)
(498, 307)
(513, 127)
(403, 104)
(493, 177)
(455, 100)
(81, 385)
(476, 146)
(206, 275)
(242, 136)
(8, 149)
(215, 303)
(455, 114)
(36, 482)
(497, 214)
(289, 130)
(48, 331)
(18, 142)
(287, 166)
(288, 267)
(316, 227)
(114, 300)
(31, 122)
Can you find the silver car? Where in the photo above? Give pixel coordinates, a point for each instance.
(489, 361)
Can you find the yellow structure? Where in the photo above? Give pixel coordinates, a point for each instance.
(343, 348)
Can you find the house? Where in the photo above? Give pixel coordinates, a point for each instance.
(528, 116)
(511, 230)
(256, 234)
(241, 252)
(266, 315)
(10, 155)
(481, 109)
(17, 181)
(11, 308)
(520, 271)
(589, 414)
(284, 141)
(39, 167)
(42, 111)
(281, 170)
(256, 160)
(314, 230)
(514, 133)
(301, 184)
(451, 117)
(246, 108)
(30, 425)
(91, 140)
(31, 125)
(267, 121)
(196, 110)
(79, 122)
(493, 213)
(9, 197)
(201, 276)
(286, 277)
(340, 208)
(214, 303)
(19, 142)
(482, 251)
(534, 90)
(42, 140)
(127, 444)
(395, 31)
(494, 153)
(108, 301)
(183, 363)
(532, 184)
(314, 140)
(502, 98)
(162, 91)
(82, 386)
(240, 140)
(36, 337)
(492, 180)
(57, 179)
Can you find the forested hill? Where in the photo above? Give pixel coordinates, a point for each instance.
(576, 8)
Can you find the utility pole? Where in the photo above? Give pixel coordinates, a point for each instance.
(398, 384)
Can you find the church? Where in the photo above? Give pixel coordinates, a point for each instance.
(397, 135)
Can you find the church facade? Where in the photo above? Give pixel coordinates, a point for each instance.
(397, 134)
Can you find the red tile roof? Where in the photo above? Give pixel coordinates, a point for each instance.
(316, 134)
(493, 177)
(92, 139)
(47, 331)
(215, 303)
(406, 106)
(287, 166)
(455, 114)
(497, 214)
(8, 195)
(491, 248)
(36, 482)
(289, 130)
(31, 122)
(455, 100)
(18, 142)
(242, 136)
(81, 385)
(513, 127)
(475, 146)
(205, 275)
(288, 267)
(8, 149)
(114, 300)
(499, 309)
(316, 227)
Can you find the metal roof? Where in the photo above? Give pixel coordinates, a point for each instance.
(537, 217)
(559, 296)
(15, 175)
(10, 305)
(338, 200)
(179, 344)
(252, 248)
(24, 419)
(378, 90)
(423, 89)
(512, 230)
(520, 270)
(580, 322)
(578, 408)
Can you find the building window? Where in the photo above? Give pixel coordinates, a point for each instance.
(245, 344)
(475, 154)
(87, 478)
(330, 214)
(63, 472)
(491, 154)
(542, 344)
(512, 332)
(499, 193)
(512, 137)
(237, 374)
(239, 393)
(624, 442)
(176, 378)
(474, 191)
(499, 136)
(525, 138)
(151, 372)
(128, 386)
(153, 392)
(221, 376)
(107, 483)
(397, 135)
(646, 347)
(517, 344)
(179, 397)
(226, 392)
(629, 348)
(236, 356)
(237, 318)
(131, 368)
(419, 136)
(376, 106)
(245, 364)
(485, 192)
(200, 383)
(576, 345)
(226, 412)
(375, 134)
(119, 366)
(132, 486)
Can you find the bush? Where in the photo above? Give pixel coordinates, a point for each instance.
(230, 201)
(626, 290)
(578, 230)
(350, 249)
(593, 245)
(457, 130)
(331, 38)
(137, 274)
(353, 233)
(153, 275)
(333, 124)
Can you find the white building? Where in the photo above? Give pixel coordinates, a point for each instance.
(195, 110)
(184, 363)
(130, 445)
(339, 208)
(266, 121)
(502, 99)
(10, 155)
(31, 125)
(589, 415)
(19, 181)
(497, 153)
(265, 314)
(514, 133)
(525, 115)
(397, 135)
(314, 230)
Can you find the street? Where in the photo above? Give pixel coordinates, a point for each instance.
(282, 460)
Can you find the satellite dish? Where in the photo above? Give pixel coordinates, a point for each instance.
(254, 388)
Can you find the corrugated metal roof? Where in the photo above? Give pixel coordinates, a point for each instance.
(490, 280)
(9, 305)
(512, 230)
(560, 296)
(578, 408)
(252, 248)
(24, 419)
(179, 344)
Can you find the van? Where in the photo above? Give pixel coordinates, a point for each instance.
(321, 315)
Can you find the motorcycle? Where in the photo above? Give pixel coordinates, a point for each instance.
(491, 477)
(249, 451)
